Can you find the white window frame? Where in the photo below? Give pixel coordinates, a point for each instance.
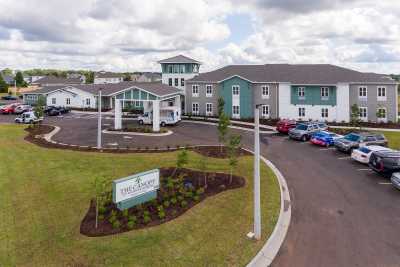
(209, 94)
(325, 93)
(235, 115)
(263, 113)
(301, 92)
(195, 90)
(303, 113)
(87, 101)
(382, 119)
(381, 96)
(324, 113)
(54, 101)
(195, 112)
(182, 81)
(209, 112)
(137, 103)
(235, 90)
(265, 91)
(68, 101)
(361, 92)
(361, 113)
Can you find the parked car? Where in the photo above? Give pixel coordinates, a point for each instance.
(9, 109)
(22, 108)
(304, 130)
(385, 162)
(396, 180)
(9, 97)
(283, 126)
(362, 154)
(353, 141)
(56, 111)
(28, 117)
(168, 116)
(324, 138)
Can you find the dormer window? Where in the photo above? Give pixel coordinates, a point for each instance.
(301, 92)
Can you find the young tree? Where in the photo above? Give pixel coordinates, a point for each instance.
(223, 124)
(89, 77)
(380, 113)
(221, 104)
(181, 160)
(39, 107)
(355, 115)
(233, 146)
(202, 165)
(99, 188)
(3, 85)
(19, 80)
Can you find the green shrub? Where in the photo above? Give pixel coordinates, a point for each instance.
(132, 218)
(102, 210)
(196, 198)
(160, 208)
(180, 198)
(173, 200)
(101, 217)
(183, 203)
(125, 213)
(161, 214)
(116, 224)
(174, 212)
(146, 219)
(166, 203)
(131, 224)
(113, 213)
(112, 219)
(189, 194)
(146, 213)
(200, 191)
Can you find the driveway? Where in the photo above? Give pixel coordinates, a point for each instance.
(343, 214)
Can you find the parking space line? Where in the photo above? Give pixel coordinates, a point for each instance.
(364, 170)
(385, 183)
(348, 157)
(328, 148)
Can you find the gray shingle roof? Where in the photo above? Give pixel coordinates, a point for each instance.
(156, 88)
(108, 75)
(296, 74)
(57, 80)
(179, 59)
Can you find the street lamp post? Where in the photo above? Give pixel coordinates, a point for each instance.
(257, 208)
(99, 121)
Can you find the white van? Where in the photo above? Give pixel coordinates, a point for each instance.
(28, 117)
(168, 116)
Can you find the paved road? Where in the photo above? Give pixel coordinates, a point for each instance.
(342, 213)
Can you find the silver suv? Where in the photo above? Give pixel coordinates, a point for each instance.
(304, 130)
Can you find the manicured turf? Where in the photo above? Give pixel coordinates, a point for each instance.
(393, 138)
(44, 194)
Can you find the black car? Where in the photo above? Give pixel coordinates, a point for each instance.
(8, 97)
(355, 140)
(385, 162)
(55, 111)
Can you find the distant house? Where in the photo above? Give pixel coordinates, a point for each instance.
(103, 77)
(146, 77)
(77, 76)
(53, 80)
(8, 79)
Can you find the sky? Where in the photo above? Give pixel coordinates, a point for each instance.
(131, 35)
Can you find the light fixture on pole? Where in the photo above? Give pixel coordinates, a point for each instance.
(99, 121)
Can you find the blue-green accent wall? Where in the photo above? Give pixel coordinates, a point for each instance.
(312, 96)
(135, 94)
(246, 97)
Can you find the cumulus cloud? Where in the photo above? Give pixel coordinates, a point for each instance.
(133, 35)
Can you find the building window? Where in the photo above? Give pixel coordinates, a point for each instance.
(265, 111)
(195, 108)
(87, 101)
(176, 68)
(209, 109)
(381, 114)
(176, 82)
(137, 103)
(195, 90)
(363, 113)
(235, 90)
(170, 81)
(302, 112)
(265, 91)
(324, 113)
(182, 68)
(235, 111)
(324, 93)
(301, 92)
(170, 68)
(68, 101)
(53, 101)
(182, 81)
(381, 93)
(209, 90)
(362, 92)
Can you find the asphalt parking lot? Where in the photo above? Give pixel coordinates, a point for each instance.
(343, 214)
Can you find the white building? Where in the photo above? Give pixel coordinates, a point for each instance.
(103, 77)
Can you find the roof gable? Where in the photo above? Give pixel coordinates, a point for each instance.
(179, 59)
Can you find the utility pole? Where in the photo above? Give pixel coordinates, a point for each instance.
(99, 121)
(257, 207)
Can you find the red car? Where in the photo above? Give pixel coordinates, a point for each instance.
(284, 126)
(9, 109)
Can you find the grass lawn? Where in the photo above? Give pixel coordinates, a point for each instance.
(393, 138)
(44, 194)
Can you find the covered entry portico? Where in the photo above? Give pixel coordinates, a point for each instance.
(151, 96)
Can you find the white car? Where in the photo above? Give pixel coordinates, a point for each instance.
(28, 117)
(362, 154)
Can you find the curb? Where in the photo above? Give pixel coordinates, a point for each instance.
(271, 248)
(48, 136)
(140, 134)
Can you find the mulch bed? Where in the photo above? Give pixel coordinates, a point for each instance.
(218, 152)
(216, 183)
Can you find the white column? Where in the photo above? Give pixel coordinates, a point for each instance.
(257, 208)
(156, 115)
(99, 121)
(178, 104)
(118, 115)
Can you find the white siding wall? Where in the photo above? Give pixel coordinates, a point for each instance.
(343, 102)
(285, 111)
(78, 100)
